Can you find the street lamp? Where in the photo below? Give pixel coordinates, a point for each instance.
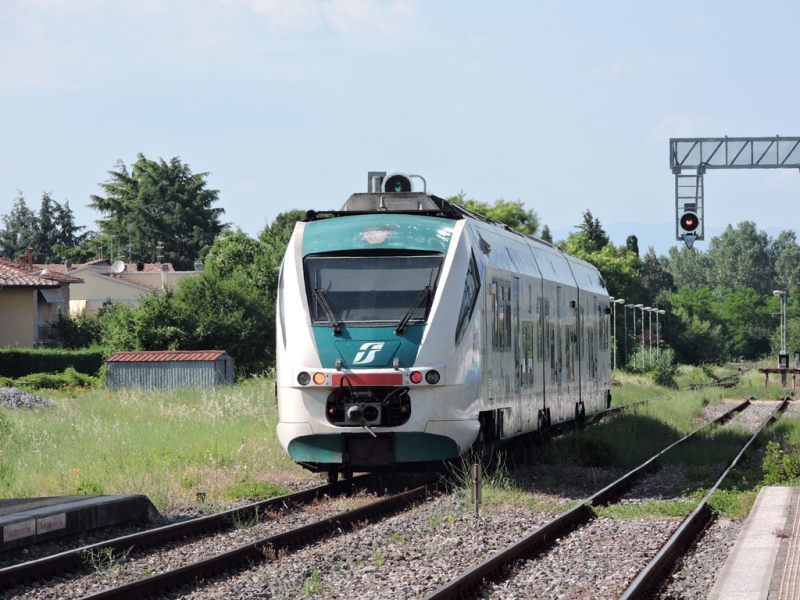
(646, 308)
(658, 343)
(650, 319)
(634, 333)
(625, 320)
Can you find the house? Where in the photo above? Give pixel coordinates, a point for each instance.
(169, 369)
(29, 301)
(126, 283)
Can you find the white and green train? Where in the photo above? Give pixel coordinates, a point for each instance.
(410, 329)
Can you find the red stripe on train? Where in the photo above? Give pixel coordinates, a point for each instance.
(360, 379)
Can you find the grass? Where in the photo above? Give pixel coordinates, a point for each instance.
(170, 446)
(573, 465)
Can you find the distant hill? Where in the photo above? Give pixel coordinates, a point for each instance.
(659, 235)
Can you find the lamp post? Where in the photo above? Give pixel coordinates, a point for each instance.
(625, 320)
(634, 333)
(650, 319)
(658, 343)
(646, 308)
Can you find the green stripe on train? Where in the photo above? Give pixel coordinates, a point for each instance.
(408, 447)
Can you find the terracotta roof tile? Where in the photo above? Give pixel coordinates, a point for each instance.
(148, 267)
(15, 277)
(165, 355)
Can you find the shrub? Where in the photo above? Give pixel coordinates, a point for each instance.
(17, 363)
(665, 369)
(55, 381)
(780, 467)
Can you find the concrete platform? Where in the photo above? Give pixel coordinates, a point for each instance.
(764, 564)
(27, 521)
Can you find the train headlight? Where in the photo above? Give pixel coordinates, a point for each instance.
(303, 378)
(432, 377)
(319, 378)
(415, 377)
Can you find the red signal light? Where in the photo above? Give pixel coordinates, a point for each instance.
(415, 377)
(689, 222)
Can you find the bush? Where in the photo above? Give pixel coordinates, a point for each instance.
(17, 363)
(664, 369)
(55, 381)
(779, 467)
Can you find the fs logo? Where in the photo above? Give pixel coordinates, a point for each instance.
(367, 352)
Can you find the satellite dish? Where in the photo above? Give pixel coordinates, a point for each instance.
(118, 267)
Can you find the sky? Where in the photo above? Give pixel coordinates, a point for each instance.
(565, 106)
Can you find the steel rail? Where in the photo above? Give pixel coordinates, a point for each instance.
(690, 527)
(75, 558)
(473, 577)
(260, 549)
(71, 559)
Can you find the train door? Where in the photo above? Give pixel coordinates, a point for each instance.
(560, 347)
(516, 343)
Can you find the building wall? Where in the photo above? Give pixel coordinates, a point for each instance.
(154, 278)
(166, 375)
(18, 314)
(96, 289)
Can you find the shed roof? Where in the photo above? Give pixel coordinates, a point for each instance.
(166, 355)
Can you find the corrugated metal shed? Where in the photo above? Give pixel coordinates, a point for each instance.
(169, 369)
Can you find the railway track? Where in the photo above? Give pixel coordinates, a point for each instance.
(571, 533)
(15, 575)
(124, 549)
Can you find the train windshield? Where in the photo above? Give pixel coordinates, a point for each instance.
(371, 289)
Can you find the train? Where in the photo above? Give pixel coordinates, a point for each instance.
(410, 330)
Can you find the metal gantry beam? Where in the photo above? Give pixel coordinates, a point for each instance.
(734, 153)
(701, 154)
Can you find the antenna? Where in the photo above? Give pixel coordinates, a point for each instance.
(118, 267)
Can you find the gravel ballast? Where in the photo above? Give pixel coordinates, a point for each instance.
(15, 398)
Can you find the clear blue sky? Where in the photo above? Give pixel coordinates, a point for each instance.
(288, 103)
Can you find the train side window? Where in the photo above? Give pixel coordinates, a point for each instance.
(570, 355)
(552, 353)
(501, 317)
(527, 348)
(539, 338)
(469, 299)
(582, 327)
(591, 363)
(546, 329)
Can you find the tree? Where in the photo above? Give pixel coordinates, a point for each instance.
(620, 271)
(19, 229)
(787, 261)
(511, 213)
(546, 235)
(49, 232)
(160, 202)
(594, 232)
(741, 258)
(690, 267)
(632, 244)
(653, 278)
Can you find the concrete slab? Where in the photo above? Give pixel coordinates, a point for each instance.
(748, 571)
(26, 521)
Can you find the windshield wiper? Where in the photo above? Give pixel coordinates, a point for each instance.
(407, 317)
(326, 308)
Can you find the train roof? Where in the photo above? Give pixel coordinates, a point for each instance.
(429, 205)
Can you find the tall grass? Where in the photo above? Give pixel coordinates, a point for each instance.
(167, 445)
